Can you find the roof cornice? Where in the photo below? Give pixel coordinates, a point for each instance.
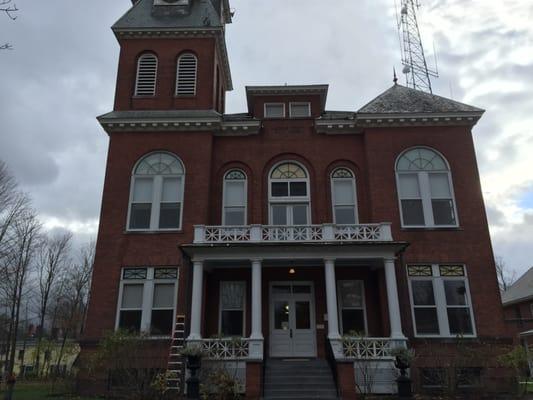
(122, 122)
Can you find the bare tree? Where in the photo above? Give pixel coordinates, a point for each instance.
(51, 262)
(72, 306)
(10, 9)
(26, 234)
(506, 276)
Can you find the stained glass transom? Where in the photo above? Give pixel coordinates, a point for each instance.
(166, 273)
(288, 171)
(452, 270)
(134, 273)
(342, 173)
(159, 164)
(235, 175)
(421, 159)
(419, 270)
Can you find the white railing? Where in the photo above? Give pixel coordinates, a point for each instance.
(368, 348)
(226, 349)
(294, 233)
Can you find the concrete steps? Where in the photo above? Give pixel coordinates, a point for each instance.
(299, 380)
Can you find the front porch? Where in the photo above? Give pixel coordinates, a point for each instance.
(288, 293)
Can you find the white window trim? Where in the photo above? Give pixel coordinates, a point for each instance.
(148, 297)
(289, 200)
(333, 200)
(440, 301)
(137, 76)
(274, 104)
(425, 193)
(300, 103)
(339, 302)
(157, 190)
(245, 195)
(243, 307)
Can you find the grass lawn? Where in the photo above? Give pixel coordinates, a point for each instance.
(41, 391)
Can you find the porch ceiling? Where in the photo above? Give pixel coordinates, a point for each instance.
(296, 253)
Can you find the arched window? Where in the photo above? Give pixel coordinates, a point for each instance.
(234, 207)
(289, 195)
(343, 195)
(146, 75)
(186, 75)
(157, 193)
(425, 189)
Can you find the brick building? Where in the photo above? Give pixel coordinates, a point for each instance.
(310, 234)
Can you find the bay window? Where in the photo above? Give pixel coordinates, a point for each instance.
(440, 300)
(147, 299)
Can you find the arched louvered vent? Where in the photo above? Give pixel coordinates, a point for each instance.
(146, 75)
(186, 75)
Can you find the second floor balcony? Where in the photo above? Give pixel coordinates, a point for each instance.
(293, 233)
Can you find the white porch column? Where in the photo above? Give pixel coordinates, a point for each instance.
(331, 299)
(392, 298)
(257, 330)
(196, 307)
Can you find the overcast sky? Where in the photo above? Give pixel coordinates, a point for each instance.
(62, 73)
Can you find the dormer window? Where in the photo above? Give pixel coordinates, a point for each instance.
(300, 110)
(274, 110)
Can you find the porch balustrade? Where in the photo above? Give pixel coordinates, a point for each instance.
(226, 349)
(295, 233)
(362, 348)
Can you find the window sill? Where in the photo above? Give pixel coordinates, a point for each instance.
(185, 96)
(447, 339)
(430, 228)
(154, 232)
(143, 97)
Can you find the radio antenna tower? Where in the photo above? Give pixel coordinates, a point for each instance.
(415, 67)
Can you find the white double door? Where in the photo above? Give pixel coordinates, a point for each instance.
(292, 320)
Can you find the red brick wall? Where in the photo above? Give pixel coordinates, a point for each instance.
(469, 244)
(346, 381)
(518, 317)
(254, 375)
(167, 51)
(371, 155)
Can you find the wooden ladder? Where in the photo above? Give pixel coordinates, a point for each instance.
(176, 363)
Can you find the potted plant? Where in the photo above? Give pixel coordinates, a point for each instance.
(403, 359)
(193, 354)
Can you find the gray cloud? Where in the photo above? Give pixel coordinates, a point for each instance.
(62, 75)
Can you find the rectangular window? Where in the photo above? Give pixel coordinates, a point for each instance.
(411, 200)
(290, 214)
(440, 300)
(235, 203)
(344, 201)
(170, 208)
(352, 307)
(441, 199)
(274, 110)
(147, 302)
(141, 206)
(232, 301)
(300, 110)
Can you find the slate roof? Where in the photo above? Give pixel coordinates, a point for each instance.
(403, 100)
(521, 290)
(140, 16)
